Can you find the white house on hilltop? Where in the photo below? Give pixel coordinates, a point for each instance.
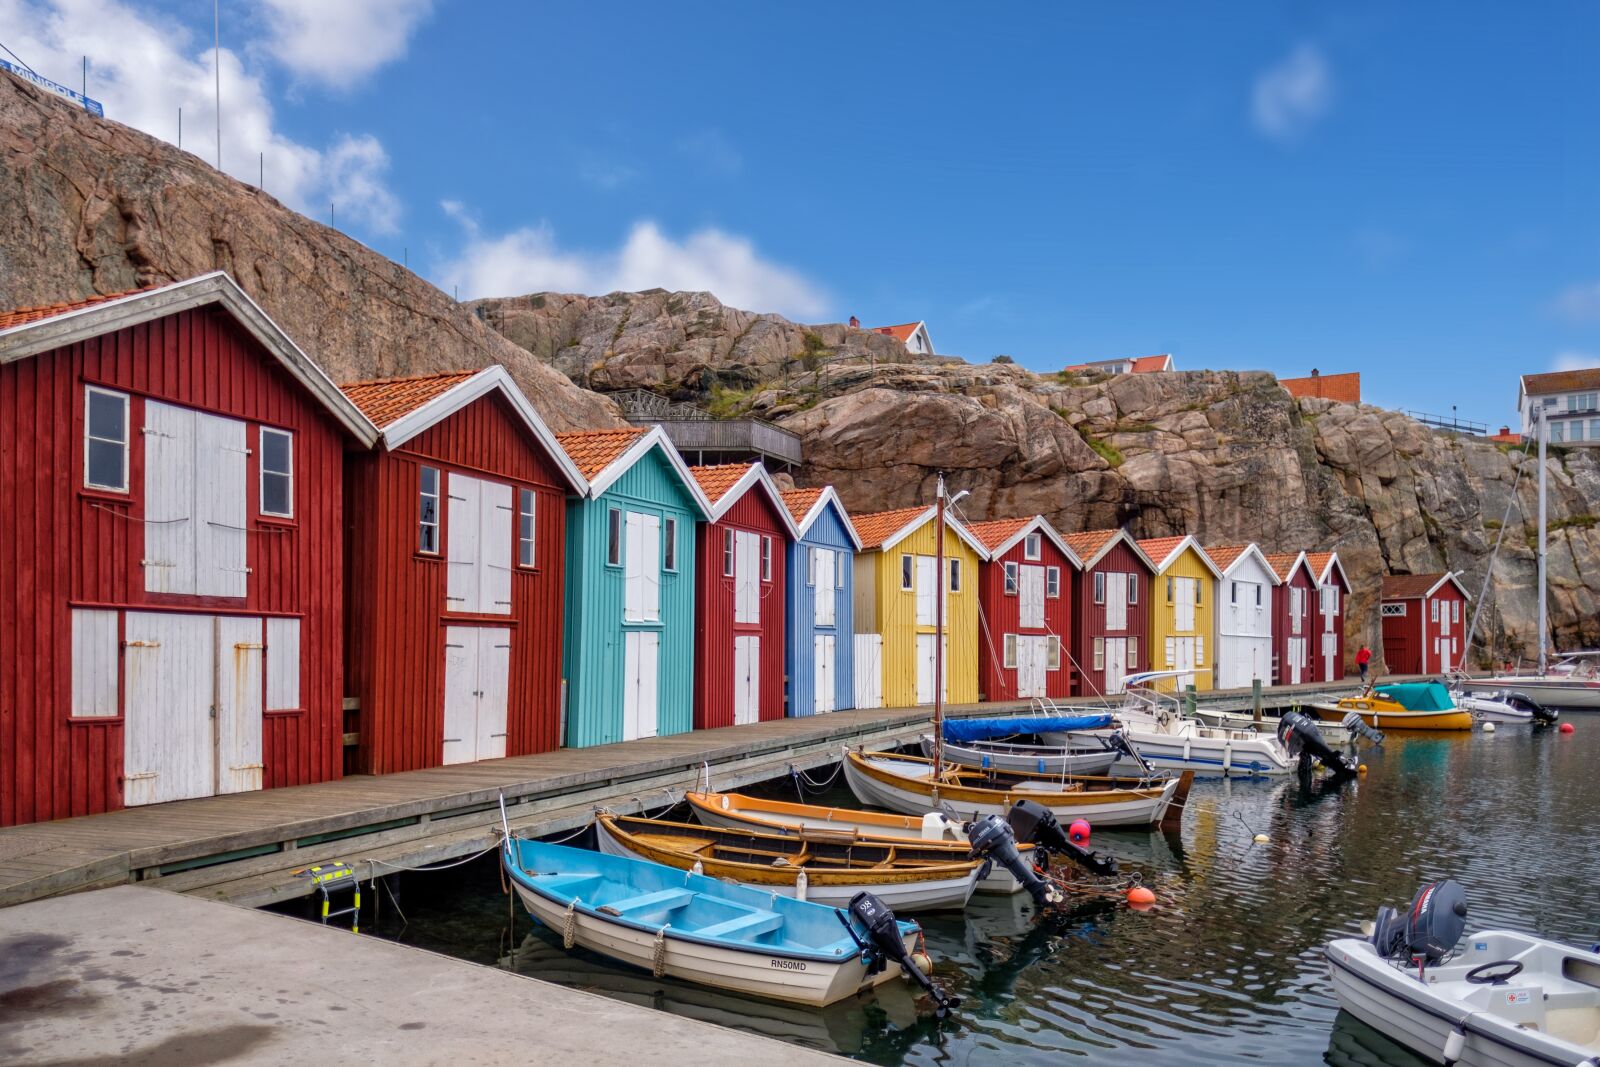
(1568, 399)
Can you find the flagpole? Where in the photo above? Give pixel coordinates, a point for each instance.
(938, 640)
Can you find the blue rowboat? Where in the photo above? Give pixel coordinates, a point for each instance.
(693, 927)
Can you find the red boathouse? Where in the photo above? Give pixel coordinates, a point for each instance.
(170, 592)
(1110, 610)
(1424, 623)
(1025, 610)
(1332, 589)
(1292, 618)
(741, 554)
(455, 556)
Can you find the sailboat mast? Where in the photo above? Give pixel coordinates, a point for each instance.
(1544, 618)
(938, 639)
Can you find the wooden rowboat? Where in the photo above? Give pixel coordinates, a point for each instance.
(691, 926)
(826, 868)
(906, 784)
(742, 812)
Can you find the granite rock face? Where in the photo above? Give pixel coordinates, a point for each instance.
(90, 206)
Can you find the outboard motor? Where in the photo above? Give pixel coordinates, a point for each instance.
(1542, 716)
(1429, 931)
(884, 943)
(1303, 740)
(1118, 741)
(1035, 824)
(1358, 726)
(992, 840)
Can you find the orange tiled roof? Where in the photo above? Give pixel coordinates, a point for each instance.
(595, 450)
(1224, 556)
(1282, 563)
(1148, 364)
(1343, 388)
(800, 501)
(1401, 586)
(715, 481)
(902, 332)
(1560, 381)
(1505, 437)
(876, 528)
(1159, 548)
(22, 316)
(384, 400)
(996, 532)
(1086, 543)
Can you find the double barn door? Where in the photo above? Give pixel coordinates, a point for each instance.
(927, 645)
(746, 678)
(477, 676)
(824, 674)
(1033, 664)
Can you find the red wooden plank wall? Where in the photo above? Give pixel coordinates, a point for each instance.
(1282, 626)
(1089, 618)
(1001, 614)
(714, 625)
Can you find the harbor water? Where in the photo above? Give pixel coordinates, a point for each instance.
(1226, 968)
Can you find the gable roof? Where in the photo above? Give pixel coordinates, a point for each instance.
(1166, 549)
(999, 536)
(404, 407)
(726, 484)
(1149, 364)
(902, 332)
(1343, 388)
(31, 331)
(1561, 381)
(1284, 563)
(1323, 564)
(1090, 546)
(882, 530)
(1227, 557)
(603, 456)
(806, 506)
(1415, 586)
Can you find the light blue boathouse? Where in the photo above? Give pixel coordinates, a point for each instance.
(819, 655)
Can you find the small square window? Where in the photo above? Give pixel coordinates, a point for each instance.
(614, 537)
(277, 473)
(1011, 579)
(105, 440)
(525, 527)
(428, 511)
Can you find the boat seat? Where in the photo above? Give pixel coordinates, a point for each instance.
(665, 900)
(744, 927)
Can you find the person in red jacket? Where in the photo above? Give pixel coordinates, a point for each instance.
(1363, 657)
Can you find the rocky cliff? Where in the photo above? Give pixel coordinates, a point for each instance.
(1228, 456)
(90, 206)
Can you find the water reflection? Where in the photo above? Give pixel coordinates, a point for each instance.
(1226, 968)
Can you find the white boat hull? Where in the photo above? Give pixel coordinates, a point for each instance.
(910, 801)
(1192, 750)
(774, 977)
(1496, 711)
(1560, 693)
(942, 894)
(1051, 760)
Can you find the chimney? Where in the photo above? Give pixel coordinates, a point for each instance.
(1505, 431)
(855, 323)
(1315, 373)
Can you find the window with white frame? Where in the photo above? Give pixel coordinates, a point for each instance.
(105, 439)
(1133, 653)
(811, 566)
(1100, 588)
(1032, 546)
(1197, 596)
(1100, 654)
(727, 553)
(1170, 584)
(1258, 594)
(669, 544)
(1052, 582)
(766, 559)
(1433, 610)
(908, 580)
(1052, 655)
(614, 537)
(525, 527)
(277, 473)
(1233, 592)
(1133, 588)
(955, 576)
(1011, 578)
(428, 511)
(1009, 643)
(1455, 611)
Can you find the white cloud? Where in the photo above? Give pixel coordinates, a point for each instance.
(1580, 302)
(1571, 360)
(339, 43)
(1292, 94)
(144, 68)
(529, 260)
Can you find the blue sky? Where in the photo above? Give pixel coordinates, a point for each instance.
(1404, 190)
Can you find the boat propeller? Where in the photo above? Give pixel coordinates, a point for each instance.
(1428, 931)
(1035, 824)
(1304, 741)
(884, 943)
(993, 841)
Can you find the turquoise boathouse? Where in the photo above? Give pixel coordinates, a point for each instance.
(629, 653)
(819, 654)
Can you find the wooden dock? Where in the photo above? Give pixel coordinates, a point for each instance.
(245, 848)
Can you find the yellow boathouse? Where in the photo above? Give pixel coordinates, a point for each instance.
(1183, 610)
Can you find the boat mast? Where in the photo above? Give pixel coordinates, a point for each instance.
(1544, 621)
(938, 638)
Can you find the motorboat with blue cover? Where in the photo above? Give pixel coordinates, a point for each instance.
(992, 743)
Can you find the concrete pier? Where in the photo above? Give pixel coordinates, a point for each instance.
(144, 976)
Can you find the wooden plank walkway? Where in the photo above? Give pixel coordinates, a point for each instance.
(244, 847)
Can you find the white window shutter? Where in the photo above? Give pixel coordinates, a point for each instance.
(496, 532)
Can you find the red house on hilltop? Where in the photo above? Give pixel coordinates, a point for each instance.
(1110, 610)
(739, 603)
(1423, 623)
(171, 593)
(1025, 604)
(1292, 625)
(455, 557)
(1332, 589)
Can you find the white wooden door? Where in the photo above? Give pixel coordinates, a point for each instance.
(463, 518)
(825, 596)
(925, 667)
(1330, 652)
(1297, 658)
(169, 519)
(221, 471)
(240, 666)
(640, 699)
(823, 697)
(1116, 601)
(460, 694)
(1031, 594)
(1297, 609)
(1444, 618)
(496, 527)
(1183, 659)
(867, 670)
(1116, 663)
(746, 679)
(1183, 592)
(169, 734)
(1032, 663)
(641, 567)
(494, 689)
(927, 590)
(746, 577)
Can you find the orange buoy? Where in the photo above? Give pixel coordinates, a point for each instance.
(1362, 769)
(1140, 896)
(1568, 728)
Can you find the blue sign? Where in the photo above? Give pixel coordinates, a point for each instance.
(91, 106)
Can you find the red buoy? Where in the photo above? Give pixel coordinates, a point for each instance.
(1141, 897)
(1078, 833)
(1568, 728)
